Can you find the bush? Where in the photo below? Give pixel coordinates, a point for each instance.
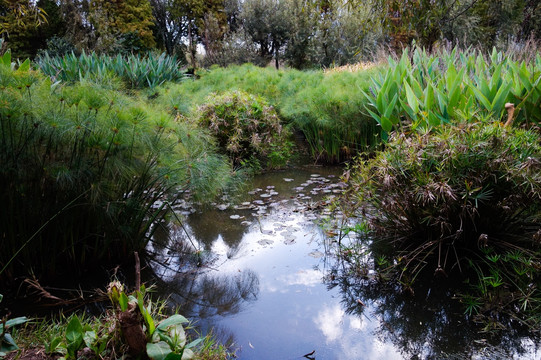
(246, 128)
(463, 201)
(327, 108)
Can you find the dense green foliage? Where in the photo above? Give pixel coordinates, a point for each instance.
(247, 129)
(111, 335)
(86, 171)
(134, 71)
(122, 25)
(426, 90)
(458, 203)
(300, 33)
(326, 107)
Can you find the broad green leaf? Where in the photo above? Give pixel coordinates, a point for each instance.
(386, 124)
(416, 87)
(7, 344)
(374, 115)
(187, 354)
(74, 331)
(24, 67)
(390, 107)
(194, 343)
(408, 110)
(158, 351)
(500, 98)
(90, 338)
(123, 301)
(433, 120)
(173, 356)
(53, 345)
(16, 321)
(413, 102)
(6, 59)
(481, 98)
(429, 96)
(176, 319)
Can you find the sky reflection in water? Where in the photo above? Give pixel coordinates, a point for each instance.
(262, 286)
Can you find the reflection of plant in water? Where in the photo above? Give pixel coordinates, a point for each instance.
(427, 325)
(203, 295)
(461, 204)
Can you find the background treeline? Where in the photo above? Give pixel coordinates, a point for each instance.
(299, 33)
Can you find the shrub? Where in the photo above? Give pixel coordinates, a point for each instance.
(246, 128)
(463, 201)
(326, 108)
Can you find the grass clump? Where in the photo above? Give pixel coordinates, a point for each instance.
(247, 128)
(86, 171)
(462, 203)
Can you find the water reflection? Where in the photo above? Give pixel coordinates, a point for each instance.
(258, 275)
(429, 324)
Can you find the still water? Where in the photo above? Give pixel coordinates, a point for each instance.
(262, 279)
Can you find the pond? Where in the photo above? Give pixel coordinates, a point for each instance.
(262, 279)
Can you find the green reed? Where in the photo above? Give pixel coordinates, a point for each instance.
(326, 108)
(87, 170)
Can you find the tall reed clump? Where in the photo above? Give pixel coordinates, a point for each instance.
(135, 71)
(326, 108)
(247, 129)
(86, 171)
(328, 111)
(422, 91)
(460, 203)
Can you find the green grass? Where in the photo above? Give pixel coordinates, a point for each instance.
(327, 108)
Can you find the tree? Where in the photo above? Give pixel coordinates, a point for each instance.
(19, 23)
(266, 23)
(303, 27)
(124, 23)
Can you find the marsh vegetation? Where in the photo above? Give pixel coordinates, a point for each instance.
(103, 156)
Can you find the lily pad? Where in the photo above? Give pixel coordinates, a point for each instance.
(316, 254)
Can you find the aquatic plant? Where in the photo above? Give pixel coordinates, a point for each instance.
(135, 71)
(246, 128)
(86, 171)
(463, 202)
(423, 91)
(7, 343)
(111, 334)
(325, 108)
